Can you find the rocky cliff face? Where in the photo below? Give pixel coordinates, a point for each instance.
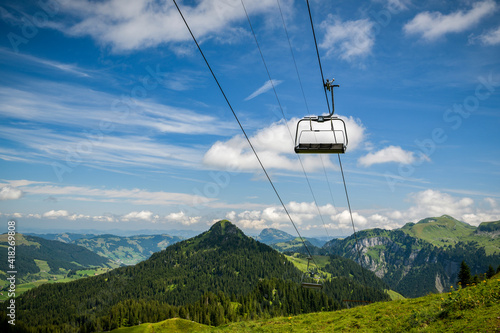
(411, 266)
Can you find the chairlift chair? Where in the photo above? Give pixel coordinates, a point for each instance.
(322, 134)
(319, 135)
(310, 279)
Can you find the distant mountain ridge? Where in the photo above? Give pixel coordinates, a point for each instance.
(31, 252)
(271, 236)
(122, 250)
(283, 241)
(127, 250)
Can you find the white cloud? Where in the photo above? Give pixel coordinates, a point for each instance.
(491, 202)
(349, 39)
(274, 145)
(75, 217)
(133, 25)
(41, 62)
(10, 193)
(435, 203)
(266, 87)
(144, 215)
(386, 155)
(423, 204)
(491, 37)
(183, 218)
(302, 214)
(230, 216)
(133, 196)
(104, 218)
(432, 25)
(344, 219)
(55, 214)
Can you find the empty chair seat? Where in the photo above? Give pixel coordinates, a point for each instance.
(321, 135)
(320, 148)
(312, 285)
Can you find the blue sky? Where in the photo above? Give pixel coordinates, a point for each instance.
(110, 118)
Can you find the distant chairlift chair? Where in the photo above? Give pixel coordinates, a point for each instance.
(310, 279)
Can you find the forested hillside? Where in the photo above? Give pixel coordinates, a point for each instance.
(31, 251)
(219, 276)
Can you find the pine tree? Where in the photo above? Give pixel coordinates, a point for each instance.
(464, 276)
(490, 272)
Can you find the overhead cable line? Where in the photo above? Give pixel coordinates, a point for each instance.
(241, 127)
(283, 113)
(305, 100)
(340, 161)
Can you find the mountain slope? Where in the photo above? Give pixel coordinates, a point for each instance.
(410, 264)
(65, 237)
(32, 252)
(217, 276)
(473, 309)
(271, 236)
(221, 259)
(284, 240)
(127, 250)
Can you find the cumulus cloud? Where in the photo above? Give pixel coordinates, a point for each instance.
(104, 218)
(436, 203)
(183, 218)
(344, 219)
(349, 39)
(144, 215)
(52, 214)
(10, 193)
(133, 25)
(422, 204)
(275, 216)
(75, 217)
(266, 87)
(432, 25)
(386, 155)
(275, 148)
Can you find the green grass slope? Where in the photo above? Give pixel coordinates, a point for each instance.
(446, 230)
(174, 325)
(474, 309)
(439, 231)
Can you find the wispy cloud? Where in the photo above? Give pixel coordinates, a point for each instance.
(53, 103)
(266, 87)
(53, 122)
(44, 146)
(68, 68)
(432, 25)
(489, 38)
(146, 23)
(347, 39)
(132, 196)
